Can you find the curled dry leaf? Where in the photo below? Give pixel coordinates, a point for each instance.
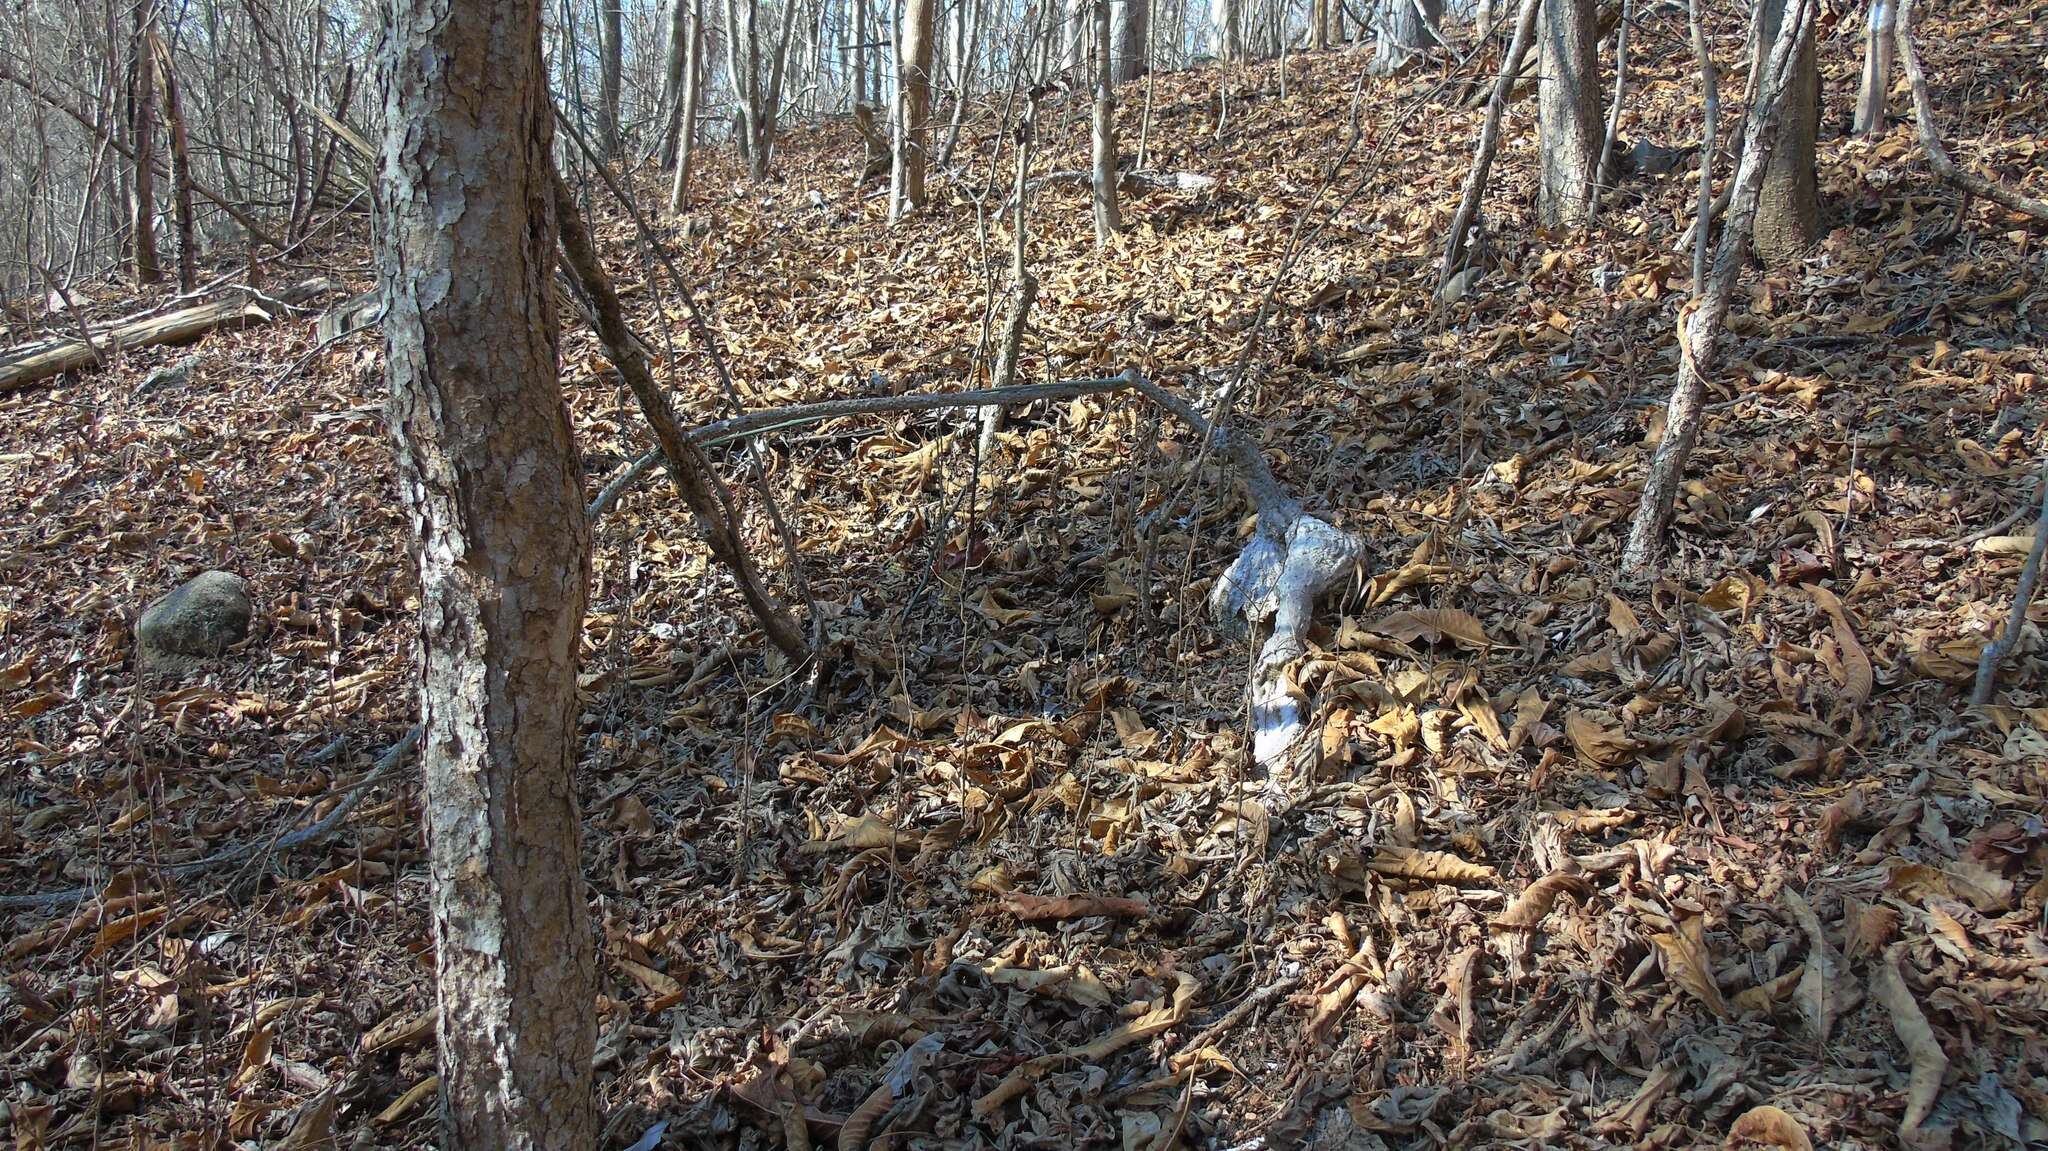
(1929, 1062)
(865, 832)
(1687, 963)
(1599, 744)
(1033, 907)
(1771, 1127)
(1441, 866)
(1857, 676)
(1534, 904)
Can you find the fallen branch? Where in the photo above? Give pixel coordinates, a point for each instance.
(2022, 598)
(1930, 141)
(31, 364)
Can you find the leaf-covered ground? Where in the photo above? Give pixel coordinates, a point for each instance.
(1577, 861)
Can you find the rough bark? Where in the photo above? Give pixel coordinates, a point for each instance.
(1102, 137)
(1700, 326)
(1132, 20)
(490, 481)
(1788, 215)
(694, 478)
(1568, 111)
(1930, 138)
(181, 164)
(1880, 28)
(1489, 141)
(913, 108)
(142, 131)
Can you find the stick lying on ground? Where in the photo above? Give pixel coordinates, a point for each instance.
(33, 363)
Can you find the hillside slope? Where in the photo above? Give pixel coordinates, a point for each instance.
(1578, 861)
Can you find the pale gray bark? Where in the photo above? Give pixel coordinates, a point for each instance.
(1568, 111)
(1102, 138)
(611, 63)
(489, 480)
(913, 108)
(1404, 33)
(674, 58)
(693, 86)
(1788, 216)
(1226, 29)
(1131, 22)
(1880, 27)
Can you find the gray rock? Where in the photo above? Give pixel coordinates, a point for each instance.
(199, 618)
(172, 375)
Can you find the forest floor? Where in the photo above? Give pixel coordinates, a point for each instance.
(1580, 862)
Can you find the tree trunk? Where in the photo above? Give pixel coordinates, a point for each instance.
(1074, 42)
(913, 108)
(1699, 328)
(1878, 34)
(142, 130)
(1568, 111)
(1132, 21)
(1108, 219)
(693, 86)
(1226, 32)
(1788, 215)
(611, 64)
(490, 481)
(1403, 35)
(673, 63)
(181, 165)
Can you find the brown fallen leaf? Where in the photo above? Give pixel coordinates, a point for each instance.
(1534, 904)
(1825, 992)
(1441, 866)
(1687, 964)
(865, 832)
(1437, 624)
(1909, 1023)
(1599, 744)
(1771, 1127)
(1151, 1023)
(409, 1102)
(1034, 907)
(1858, 679)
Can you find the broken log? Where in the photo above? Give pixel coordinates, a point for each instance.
(29, 364)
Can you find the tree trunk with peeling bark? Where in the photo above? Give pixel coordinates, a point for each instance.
(1568, 111)
(490, 482)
